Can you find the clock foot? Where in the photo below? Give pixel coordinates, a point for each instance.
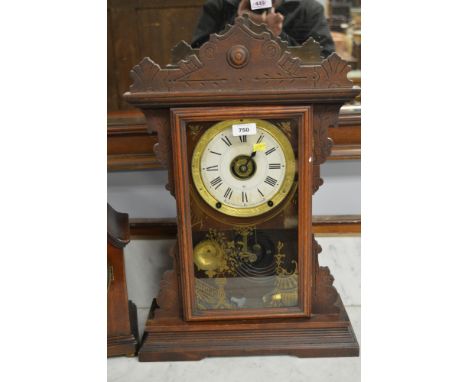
(122, 345)
(125, 344)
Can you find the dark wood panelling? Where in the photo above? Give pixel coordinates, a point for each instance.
(140, 28)
(345, 152)
(152, 4)
(161, 29)
(126, 48)
(144, 28)
(336, 224)
(346, 136)
(129, 144)
(112, 92)
(346, 133)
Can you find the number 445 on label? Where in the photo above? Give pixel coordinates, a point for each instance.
(260, 4)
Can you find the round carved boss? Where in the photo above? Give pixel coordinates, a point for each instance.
(238, 56)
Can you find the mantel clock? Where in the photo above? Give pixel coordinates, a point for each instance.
(242, 126)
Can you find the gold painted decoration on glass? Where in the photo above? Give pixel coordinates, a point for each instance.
(246, 175)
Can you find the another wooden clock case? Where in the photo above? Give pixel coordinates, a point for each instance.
(122, 331)
(244, 72)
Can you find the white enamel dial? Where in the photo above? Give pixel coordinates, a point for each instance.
(243, 175)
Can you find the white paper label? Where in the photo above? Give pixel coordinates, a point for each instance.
(260, 4)
(244, 129)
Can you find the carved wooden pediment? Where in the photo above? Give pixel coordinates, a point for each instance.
(245, 59)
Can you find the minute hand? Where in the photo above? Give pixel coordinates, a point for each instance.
(250, 158)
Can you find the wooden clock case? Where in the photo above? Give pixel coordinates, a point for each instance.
(244, 71)
(122, 330)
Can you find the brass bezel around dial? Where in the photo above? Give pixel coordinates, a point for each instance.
(275, 200)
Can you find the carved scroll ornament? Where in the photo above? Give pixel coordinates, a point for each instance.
(325, 116)
(245, 57)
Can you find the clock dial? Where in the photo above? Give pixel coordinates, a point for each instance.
(245, 175)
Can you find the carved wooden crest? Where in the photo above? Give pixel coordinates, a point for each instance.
(245, 59)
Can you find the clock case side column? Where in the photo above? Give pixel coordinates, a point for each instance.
(158, 121)
(326, 299)
(167, 303)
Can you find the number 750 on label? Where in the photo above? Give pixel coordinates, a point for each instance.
(244, 129)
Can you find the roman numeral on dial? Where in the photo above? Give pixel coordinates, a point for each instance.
(243, 138)
(227, 141)
(261, 193)
(212, 168)
(260, 138)
(244, 197)
(216, 182)
(274, 166)
(270, 151)
(271, 181)
(228, 193)
(214, 152)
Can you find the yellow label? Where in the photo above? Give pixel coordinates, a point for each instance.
(259, 146)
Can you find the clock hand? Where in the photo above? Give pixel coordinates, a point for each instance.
(250, 158)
